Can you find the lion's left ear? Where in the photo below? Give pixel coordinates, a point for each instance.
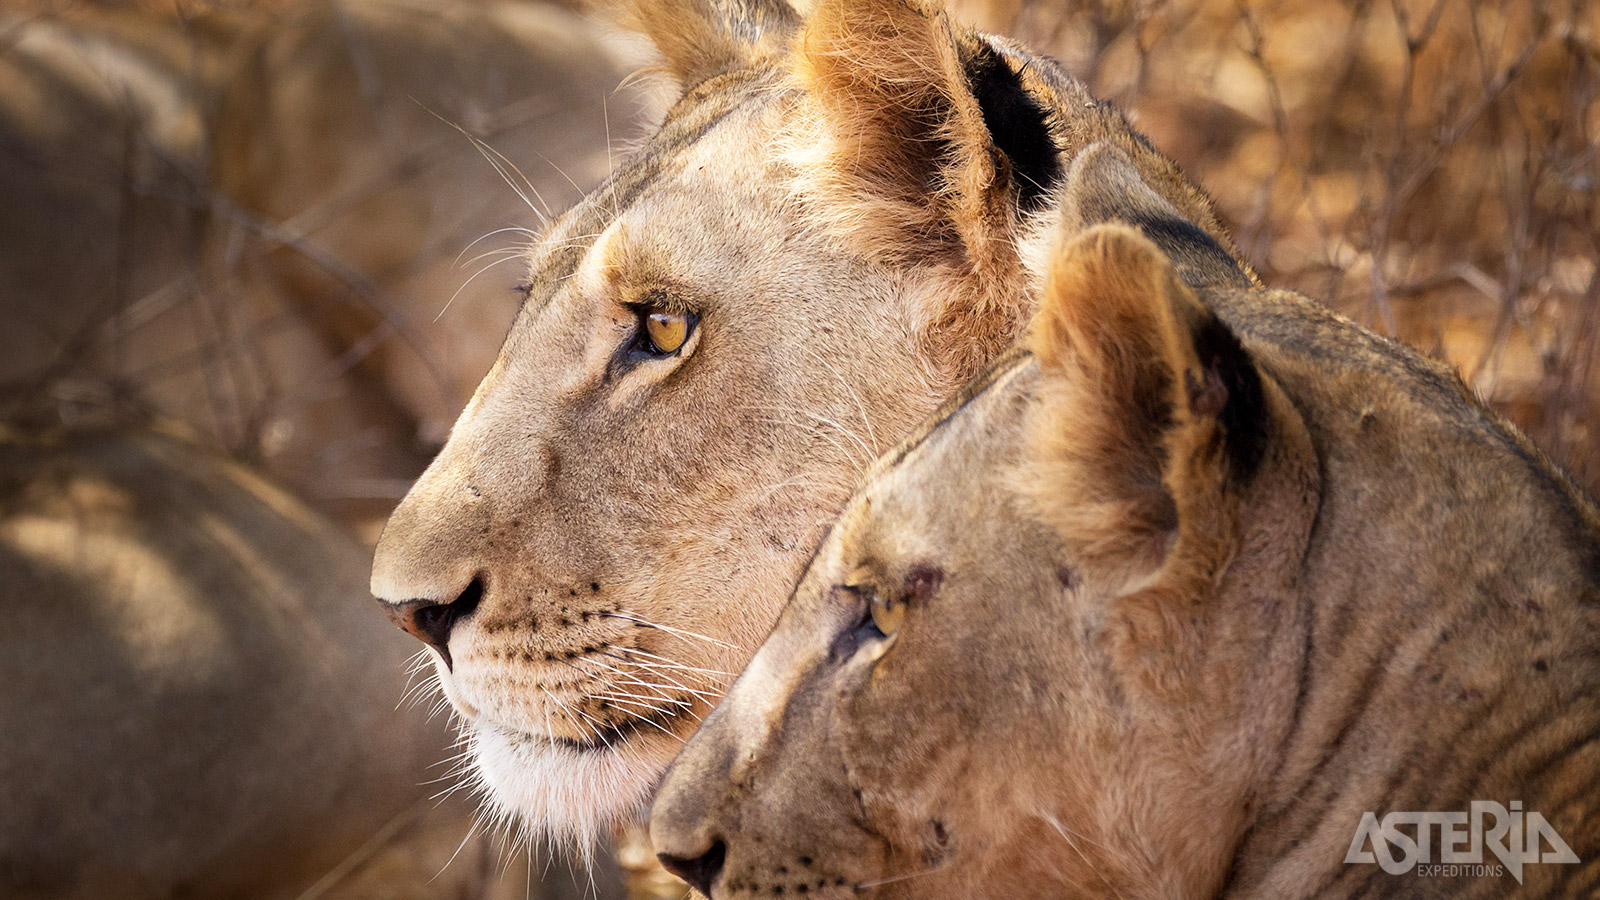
(925, 148)
(1150, 419)
(701, 38)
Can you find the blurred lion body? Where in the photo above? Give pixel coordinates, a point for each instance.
(196, 704)
(1162, 609)
(101, 138)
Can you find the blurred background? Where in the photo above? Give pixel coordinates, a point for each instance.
(254, 256)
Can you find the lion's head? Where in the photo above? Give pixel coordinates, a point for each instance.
(1164, 605)
(819, 244)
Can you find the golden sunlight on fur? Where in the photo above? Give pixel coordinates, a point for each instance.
(1188, 592)
(905, 155)
(840, 211)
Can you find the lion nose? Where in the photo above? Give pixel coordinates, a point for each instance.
(430, 621)
(700, 871)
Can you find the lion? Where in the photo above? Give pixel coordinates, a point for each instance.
(823, 241)
(1166, 605)
(194, 706)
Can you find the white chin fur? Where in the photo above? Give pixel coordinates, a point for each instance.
(565, 795)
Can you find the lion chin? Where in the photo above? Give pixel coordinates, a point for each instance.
(572, 795)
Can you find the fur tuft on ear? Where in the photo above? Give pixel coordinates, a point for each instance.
(701, 38)
(1150, 417)
(885, 76)
(907, 153)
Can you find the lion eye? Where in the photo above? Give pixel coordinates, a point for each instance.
(886, 614)
(666, 331)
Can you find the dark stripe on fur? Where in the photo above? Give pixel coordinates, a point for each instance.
(1355, 715)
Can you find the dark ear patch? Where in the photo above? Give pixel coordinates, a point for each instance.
(1186, 243)
(1104, 185)
(1230, 389)
(1017, 124)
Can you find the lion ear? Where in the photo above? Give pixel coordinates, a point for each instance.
(701, 38)
(925, 147)
(1104, 185)
(1150, 414)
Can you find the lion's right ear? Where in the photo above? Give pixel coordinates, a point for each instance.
(1150, 417)
(701, 38)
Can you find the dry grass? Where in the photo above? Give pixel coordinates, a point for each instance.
(1428, 167)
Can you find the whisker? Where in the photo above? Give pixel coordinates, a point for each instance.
(660, 669)
(648, 685)
(471, 830)
(456, 758)
(624, 699)
(652, 722)
(711, 685)
(849, 388)
(468, 283)
(416, 693)
(600, 728)
(818, 417)
(670, 630)
(560, 171)
(869, 885)
(658, 687)
(562, 709)
(704, 695)
(1067, 834)
(643, 698)
(505, 163)
(670, 663)
(527, 231)
(685, 710)
(513, 252)
(448, 792)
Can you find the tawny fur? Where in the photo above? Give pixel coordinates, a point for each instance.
(1178, 645)
(826, 198)
(698, 39)
(903, 165)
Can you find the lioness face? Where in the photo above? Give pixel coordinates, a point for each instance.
(983, 685)
(684, 400)
(775, 288)
(839, 760)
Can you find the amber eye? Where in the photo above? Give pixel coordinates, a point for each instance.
(666, 331)
(886, 614)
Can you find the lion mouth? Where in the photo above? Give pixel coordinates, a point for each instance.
(602, 738)
(607, 738)
(588, 708)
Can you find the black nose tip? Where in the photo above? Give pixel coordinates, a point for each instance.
(430, 621)
(700, 871)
